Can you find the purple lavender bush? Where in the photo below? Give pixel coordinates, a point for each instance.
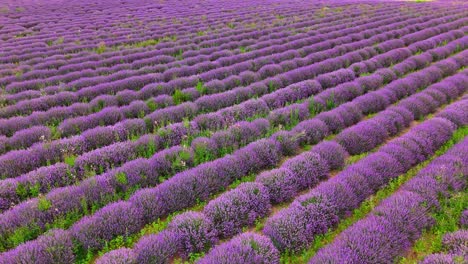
(240, 207)
(244, 249)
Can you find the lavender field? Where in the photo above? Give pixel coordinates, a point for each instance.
(244, 132)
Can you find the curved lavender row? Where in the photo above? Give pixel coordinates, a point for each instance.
(293, 228)
(249, 247)
(97, 19)
(180, 40)
(211, 49)
(17, 221)
(154, 86)
(54, 247)
(192, 53)
(133, 172)
(68, 98)
(152, 33)
(244, 56)
(224, 15)
(291, 10)
(399, 220)
(116, 154)
(99, 159)
(139, 126)
(73, 125)
(105, 214)
(94, 131)
(348, 91)
(164, 76)
(25, 138)
(230, 212)
(372, 132)
(367, 134)
(455, 113)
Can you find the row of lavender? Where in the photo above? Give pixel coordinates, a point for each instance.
(64, 144)
(238, 32)
(238, 60)
(232, 211)
(11, 194)
(218, 96)
(107, 214)
(195, 21)
(178, 83)
(271, 101)
(32, 206)
(275, 99)
(385, 233)
(252, 197)
(287, 94)
(192, 81)
(172, 51)
(399, 220)
(223, 40)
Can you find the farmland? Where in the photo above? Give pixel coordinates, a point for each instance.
(233, 131)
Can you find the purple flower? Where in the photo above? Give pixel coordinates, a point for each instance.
(118, 256)
(311, 131)
(294, 228)
(464, 219)
(333, 120)
(369, 241)
(441, 258)
(385, 167)
(247, 248)
(119, 218)
(195, 232)
(280, 183)
(288, 142)
(456, 242)
(53, 247)
(362, 137)
(264, 153)
(238, 208)
(157, 249)
(27, 137)
(333, 153)
(289, 114)
(308, 169)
